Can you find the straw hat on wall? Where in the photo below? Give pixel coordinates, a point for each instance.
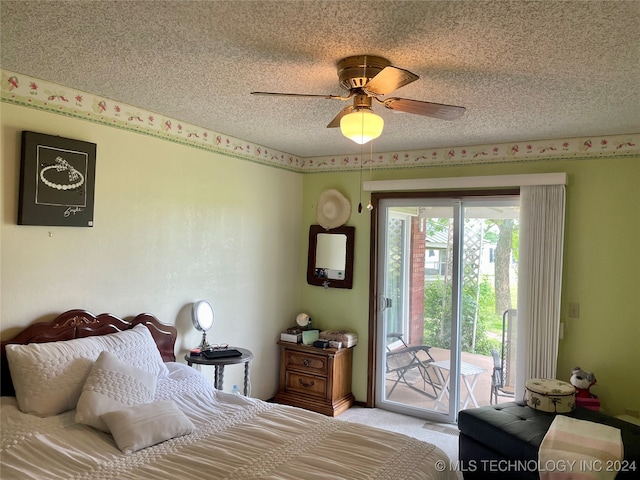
(334, 209)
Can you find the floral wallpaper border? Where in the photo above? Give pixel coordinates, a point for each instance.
(28, 91)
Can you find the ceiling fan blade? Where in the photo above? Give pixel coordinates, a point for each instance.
(389, 79)
(274, 94)
(427, 109)
(336, 121)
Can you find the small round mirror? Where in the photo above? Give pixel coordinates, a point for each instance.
(202, 318)
(202, 315)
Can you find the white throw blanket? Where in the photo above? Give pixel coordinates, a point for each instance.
(578, 449)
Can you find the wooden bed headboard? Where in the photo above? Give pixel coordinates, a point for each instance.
(80, 323)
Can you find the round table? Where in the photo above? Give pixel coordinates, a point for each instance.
(220, 363)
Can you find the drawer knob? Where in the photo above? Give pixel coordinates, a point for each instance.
(305, 362)
(305, 385)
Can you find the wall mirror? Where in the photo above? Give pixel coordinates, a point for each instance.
(330, 262)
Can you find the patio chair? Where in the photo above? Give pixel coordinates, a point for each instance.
(400, 361)
(497, 379)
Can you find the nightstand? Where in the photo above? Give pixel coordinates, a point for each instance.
(219, 364)
(315, 378)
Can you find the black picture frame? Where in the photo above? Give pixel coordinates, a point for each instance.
(57, 181)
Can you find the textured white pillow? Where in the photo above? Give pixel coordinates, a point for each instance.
(142, 426)
(112, 385)
(48, 377)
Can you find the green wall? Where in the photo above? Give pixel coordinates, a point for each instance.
(601, 271)
(601, 268)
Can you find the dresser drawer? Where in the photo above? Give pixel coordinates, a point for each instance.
(306, 363)
(314, 378)
(306, 384)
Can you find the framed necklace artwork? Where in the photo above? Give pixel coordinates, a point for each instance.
(57, 181)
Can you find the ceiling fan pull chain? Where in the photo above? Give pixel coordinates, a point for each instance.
(360, 203)
(370, 205)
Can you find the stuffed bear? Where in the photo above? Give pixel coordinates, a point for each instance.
(582, 381)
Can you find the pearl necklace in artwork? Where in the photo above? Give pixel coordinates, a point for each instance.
(61, 166)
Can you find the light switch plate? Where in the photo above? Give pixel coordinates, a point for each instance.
(574, 310)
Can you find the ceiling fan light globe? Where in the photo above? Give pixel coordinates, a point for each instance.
(361, 126)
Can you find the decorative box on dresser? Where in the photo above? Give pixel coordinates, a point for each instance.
(315, 378)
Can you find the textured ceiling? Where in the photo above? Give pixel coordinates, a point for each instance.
(524, 70)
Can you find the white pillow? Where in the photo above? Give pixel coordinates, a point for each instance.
(48, 377)
(112, 385)
(142, 426)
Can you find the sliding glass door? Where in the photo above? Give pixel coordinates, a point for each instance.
(447, 273)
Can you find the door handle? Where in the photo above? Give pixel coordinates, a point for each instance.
(385, 302)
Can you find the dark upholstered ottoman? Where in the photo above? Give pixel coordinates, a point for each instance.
(502, 441)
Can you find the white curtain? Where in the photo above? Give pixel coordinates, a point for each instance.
(539, 282)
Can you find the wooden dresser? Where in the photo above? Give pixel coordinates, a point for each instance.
(314, 378)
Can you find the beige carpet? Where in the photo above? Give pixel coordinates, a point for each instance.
(444, 436)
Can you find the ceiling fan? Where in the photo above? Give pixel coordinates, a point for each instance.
(367, 77)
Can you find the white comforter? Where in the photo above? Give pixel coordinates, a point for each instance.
(236, 438)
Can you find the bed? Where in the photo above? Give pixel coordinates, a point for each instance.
(99, 397)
